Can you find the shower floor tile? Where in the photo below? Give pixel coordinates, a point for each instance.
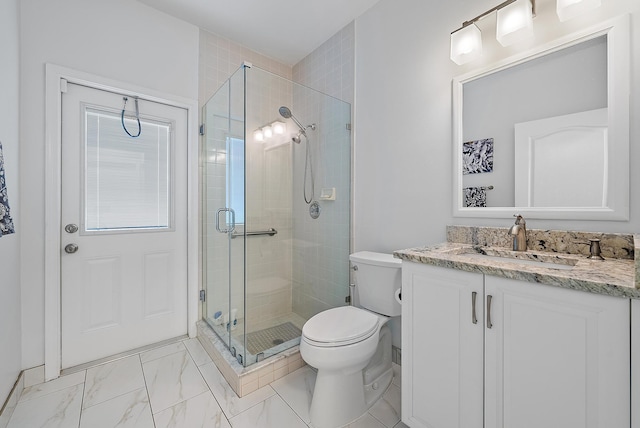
(261, 340)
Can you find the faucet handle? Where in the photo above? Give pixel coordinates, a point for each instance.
(520, 220)
(594, 250)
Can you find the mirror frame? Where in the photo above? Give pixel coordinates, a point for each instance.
(617, 31)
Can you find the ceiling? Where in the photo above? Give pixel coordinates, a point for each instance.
(285, 30)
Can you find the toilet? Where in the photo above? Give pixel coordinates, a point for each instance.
(351, 346)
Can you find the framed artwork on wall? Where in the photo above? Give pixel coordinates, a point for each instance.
(477, 156)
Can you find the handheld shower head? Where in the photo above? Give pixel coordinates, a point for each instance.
(308, 162)
(286, 113)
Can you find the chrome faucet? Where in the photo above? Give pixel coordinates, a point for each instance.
(519, 232)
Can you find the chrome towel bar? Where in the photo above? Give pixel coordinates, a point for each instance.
(269, 232)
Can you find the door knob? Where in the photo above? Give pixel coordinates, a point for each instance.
(71, 228)
(70, 248)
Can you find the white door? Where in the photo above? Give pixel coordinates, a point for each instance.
(442, 347)
(124, 270)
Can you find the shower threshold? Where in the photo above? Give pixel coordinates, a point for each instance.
(260, 344)
(244, 380)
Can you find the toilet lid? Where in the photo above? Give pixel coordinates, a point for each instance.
(340, 326)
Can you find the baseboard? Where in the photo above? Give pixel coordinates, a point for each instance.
(396, 355)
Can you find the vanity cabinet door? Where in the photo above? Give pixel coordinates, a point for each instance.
(442, 348)
(555, 357)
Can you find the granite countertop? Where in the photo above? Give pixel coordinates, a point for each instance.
(613, 276)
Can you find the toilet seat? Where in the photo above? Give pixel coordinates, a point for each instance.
(340, 326)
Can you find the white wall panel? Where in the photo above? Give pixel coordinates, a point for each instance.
(120, 40)
(10, 355)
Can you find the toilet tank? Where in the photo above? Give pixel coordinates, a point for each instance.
(377, 277)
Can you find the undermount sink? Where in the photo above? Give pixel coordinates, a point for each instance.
(520, 258)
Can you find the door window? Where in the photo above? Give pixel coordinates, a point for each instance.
(127, 180)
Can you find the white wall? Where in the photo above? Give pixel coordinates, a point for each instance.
(403, 164)
(121, 40)
(10, 353)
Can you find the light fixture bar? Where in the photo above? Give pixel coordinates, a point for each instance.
(500, 6)
(514, 24)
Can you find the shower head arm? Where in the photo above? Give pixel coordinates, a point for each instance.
(300, 125)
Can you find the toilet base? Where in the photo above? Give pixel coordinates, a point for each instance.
(376, 389)
(340, 397)
(332, 391)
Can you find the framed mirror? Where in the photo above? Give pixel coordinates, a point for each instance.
(546, 133)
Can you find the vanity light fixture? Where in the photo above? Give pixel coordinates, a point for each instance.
(514, 23)
(466, 44)
(266, 132)
(567, 9)
(279, 128)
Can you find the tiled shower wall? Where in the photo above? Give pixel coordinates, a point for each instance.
(220, 58)
(321, 247)
(330, 68)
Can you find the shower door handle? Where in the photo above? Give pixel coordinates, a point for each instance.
(233, 220)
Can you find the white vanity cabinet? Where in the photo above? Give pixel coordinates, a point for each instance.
(540, 356)
(442, 364)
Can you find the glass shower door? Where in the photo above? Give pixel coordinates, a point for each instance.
(268, 264)
(224, 208)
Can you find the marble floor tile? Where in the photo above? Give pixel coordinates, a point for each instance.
(387, 408)
(231, 404)
(163, 351)
(365, 421)
(171, 389)
(270, 413)
(110, 380)
(63, 382)
(297, 389)
(11, 402)
(201, 411)
(172, 379)
(59, 409)
(130, 410)
(197, 352)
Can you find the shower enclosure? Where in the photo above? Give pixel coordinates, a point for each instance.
(276, 220)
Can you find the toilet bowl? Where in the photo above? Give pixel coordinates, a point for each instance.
(351, 347)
